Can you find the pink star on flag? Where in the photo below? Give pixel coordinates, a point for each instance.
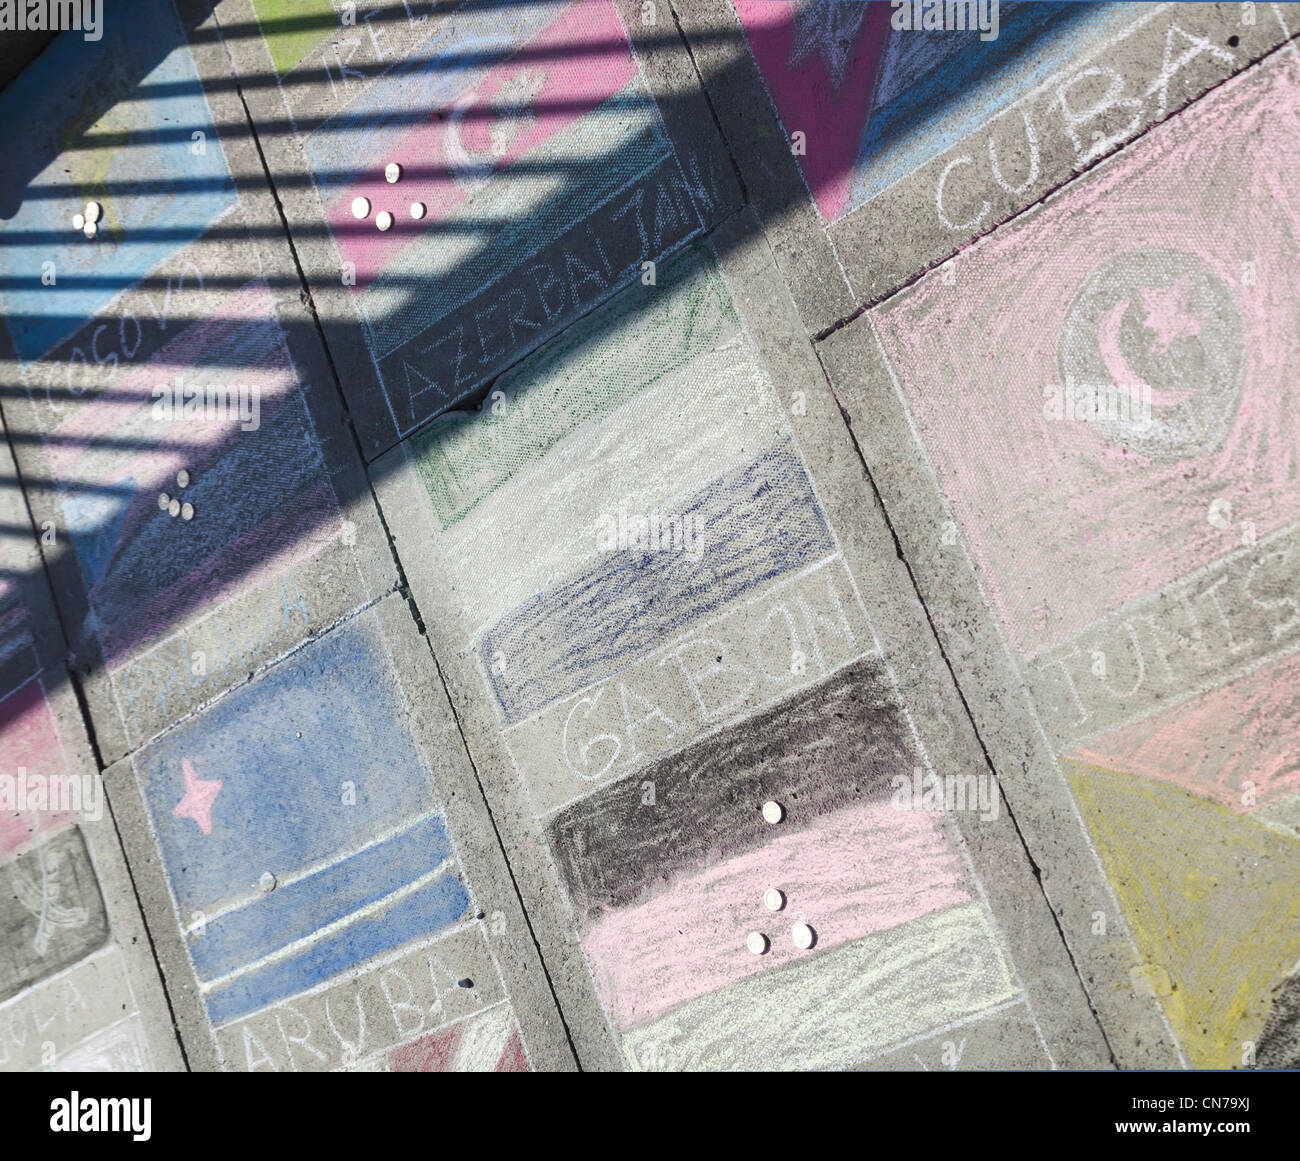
(199, 796)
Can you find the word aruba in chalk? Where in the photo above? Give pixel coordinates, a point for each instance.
(84, 16)
(102, 1115)
(946, 16)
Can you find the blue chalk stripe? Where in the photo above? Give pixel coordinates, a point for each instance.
(755, 522)
(415, 916)
(267, 923)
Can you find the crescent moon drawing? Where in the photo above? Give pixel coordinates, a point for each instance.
(1118, 367)
(467, 169)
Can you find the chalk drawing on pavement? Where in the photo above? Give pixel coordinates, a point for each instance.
(158, 194)
(1163, 332)
(542, 121)
(51, 912)
(736, 690)
(1142, 580)
(313, 875)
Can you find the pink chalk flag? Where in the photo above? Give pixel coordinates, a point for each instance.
(542, 90)
(848, 875)
(29, 741)
(819, 63)
(1247, 732)
(486, 1043)
(1172, 300)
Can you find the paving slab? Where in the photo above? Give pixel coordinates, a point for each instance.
(662, 597)
(876, 151)
(551, 150)
(321, 877)
(170, 361)
(1089, 466)
(79, 988)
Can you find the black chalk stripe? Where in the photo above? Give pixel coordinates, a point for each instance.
(840, 742)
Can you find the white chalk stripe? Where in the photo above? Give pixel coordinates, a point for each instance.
(484, 1041)
(543, 523)
(836, 1007)
(306, 872)
(289, 949)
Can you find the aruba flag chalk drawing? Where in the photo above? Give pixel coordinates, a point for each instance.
(299, 828)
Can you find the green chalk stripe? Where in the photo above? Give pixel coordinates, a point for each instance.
(644, 333)
(292, 28)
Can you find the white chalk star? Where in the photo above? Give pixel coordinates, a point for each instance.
(828, 28)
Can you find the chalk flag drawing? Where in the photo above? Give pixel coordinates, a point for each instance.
(485, 1043)
(882, 102)
(51, 913)
(747, 671)
(294, 28)
(546, 175)
(1140, 571)
(121, 1047)
(323, 906)
(263, 497)
(1216, 948)
(681, 941)
(757, 521)
(30, 743)
(88, 1012)
(68, 976)
(133, 156)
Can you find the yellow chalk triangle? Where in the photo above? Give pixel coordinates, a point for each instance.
(1212, 900)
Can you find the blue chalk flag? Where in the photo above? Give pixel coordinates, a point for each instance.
(299, 826)
(81, 110)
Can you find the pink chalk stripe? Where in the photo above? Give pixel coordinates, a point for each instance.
(574, 84)
(119, 402)
(29, 739)
(847, 875)
(1247, 731)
